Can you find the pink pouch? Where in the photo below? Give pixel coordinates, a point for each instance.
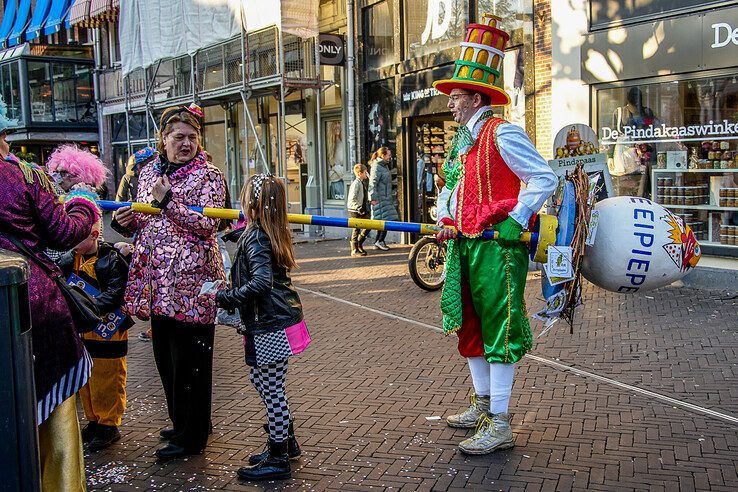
(298, 337)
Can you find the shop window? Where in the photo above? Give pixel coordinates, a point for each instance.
(10, 89)
(64, 92)
(61, 92)
(379, 36)
(331, 96)
(113, 44)
(675, 142)
(604, 12)
(136, 124)
(381, 129)
(434, 25)
(39, 85)
(338, 170)
(516, 16)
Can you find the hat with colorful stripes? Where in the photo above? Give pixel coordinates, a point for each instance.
(479, 67)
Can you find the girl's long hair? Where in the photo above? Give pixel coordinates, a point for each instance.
(269, 212)
(380, 152)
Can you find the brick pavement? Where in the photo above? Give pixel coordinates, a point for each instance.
(367, 392)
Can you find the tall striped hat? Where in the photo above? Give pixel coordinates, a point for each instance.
(479, 67)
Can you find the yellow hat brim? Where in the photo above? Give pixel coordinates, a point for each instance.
(497, 95)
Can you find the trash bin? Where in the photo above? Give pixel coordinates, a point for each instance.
(19, 467)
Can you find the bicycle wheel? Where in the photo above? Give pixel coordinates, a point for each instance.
(425, 264)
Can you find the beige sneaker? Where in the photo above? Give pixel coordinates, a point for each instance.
(468, 419)
(492, 434)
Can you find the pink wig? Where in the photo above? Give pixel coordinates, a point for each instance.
(80, 163)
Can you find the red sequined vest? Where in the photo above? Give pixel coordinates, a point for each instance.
(488, 189)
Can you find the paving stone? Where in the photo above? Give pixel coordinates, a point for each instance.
(365, 393)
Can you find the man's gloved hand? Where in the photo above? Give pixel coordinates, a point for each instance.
(509, 232)
(445, 234)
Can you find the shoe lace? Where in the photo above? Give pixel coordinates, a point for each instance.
(483, 421)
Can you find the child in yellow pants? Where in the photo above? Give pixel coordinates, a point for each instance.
(102, 267)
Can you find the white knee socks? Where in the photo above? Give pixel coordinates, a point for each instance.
(501, 383)
(495, 380)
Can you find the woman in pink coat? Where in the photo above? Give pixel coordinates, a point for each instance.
(174, 254)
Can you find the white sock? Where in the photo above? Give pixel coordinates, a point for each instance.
(480, 372)
(501, 383)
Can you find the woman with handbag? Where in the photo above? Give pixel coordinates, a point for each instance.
(174, 254)
(32, 218)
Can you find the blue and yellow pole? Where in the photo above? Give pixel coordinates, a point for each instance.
(318, 220)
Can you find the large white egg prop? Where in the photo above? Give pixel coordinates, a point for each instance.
(639, 246)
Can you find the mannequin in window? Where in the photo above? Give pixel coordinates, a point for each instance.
(336, 162)
(632, 162)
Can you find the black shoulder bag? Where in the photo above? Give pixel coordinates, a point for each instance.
(81, 305)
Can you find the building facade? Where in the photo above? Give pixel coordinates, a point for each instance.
(405, 46)
(47, 78)
(661, 84)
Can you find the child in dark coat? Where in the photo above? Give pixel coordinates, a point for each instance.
(104, 270)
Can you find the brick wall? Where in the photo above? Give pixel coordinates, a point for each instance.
(542, 84)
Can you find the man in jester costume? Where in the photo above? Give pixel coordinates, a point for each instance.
(485, 279)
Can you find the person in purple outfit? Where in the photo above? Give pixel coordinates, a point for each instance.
(31, 214)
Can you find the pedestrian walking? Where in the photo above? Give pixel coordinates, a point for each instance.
(358, 208)
(105, 270)
(271, 316)
(175, 253)
(32, 218)
(380, 193)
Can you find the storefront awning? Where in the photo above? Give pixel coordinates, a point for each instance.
(79, 14)
(57, 14)
(20, 24)
(11, 6)
(40, 14)
(104, 10)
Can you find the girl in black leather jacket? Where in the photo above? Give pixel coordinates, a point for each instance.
(271, 314)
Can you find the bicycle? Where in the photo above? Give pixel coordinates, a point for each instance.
(426, 263)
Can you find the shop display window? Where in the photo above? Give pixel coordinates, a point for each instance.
(61, 93)
(11, 89)
(379, 36)
(676, 142)
(432, 143)
(434, 25)
(338, 171)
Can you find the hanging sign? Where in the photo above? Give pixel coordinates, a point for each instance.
(577, 144)
(332, 49)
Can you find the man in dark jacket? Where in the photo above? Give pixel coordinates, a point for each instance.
(102, 271)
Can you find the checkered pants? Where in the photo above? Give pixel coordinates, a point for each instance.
(269, 382)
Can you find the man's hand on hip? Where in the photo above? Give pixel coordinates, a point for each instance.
(509, 231)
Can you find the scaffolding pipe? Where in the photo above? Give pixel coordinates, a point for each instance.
(146, 101)
(350, 61)
(251, 122)
(318, 126)
(126, 90)
(282, 116)
(97, 89)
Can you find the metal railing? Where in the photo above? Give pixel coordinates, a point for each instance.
(217, 68)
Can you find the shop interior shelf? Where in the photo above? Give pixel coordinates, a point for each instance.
(718, 171)
(703, 207)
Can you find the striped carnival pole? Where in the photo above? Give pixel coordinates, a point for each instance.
(318, 220)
